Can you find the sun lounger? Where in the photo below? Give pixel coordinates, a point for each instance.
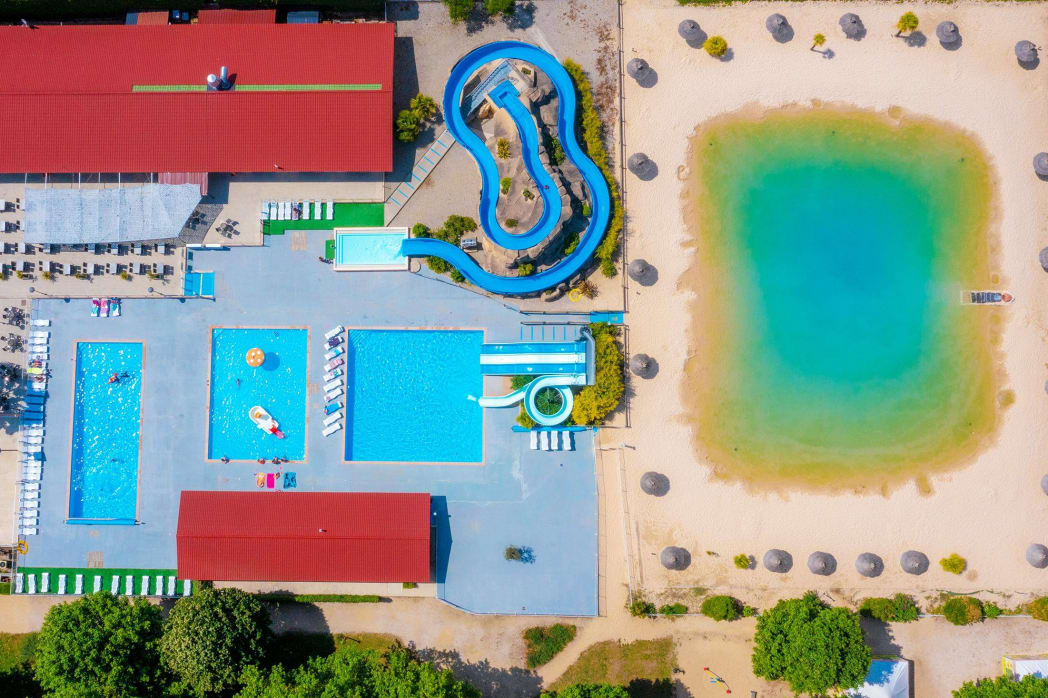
(332, 407)
(19, 580)
(569, 441)
(32, 477)
(158, 590)
(337, 351)
(32, 584)
(534, 440)
(264, 214)
(30, 497)
(32, 440)
(333, 364)
(332, 384)
(78, 587)
(30, 487)
(332, 375)
(129, 583)
(171, 586)
(187, 587)
(544, 440)
(27, 531)
(144, 589)
(40, 333)
(332, 429)
(329, 210)
(61, 584)
(337, 330)
(305, 210)
(332, 418)
(45, 581)
(41, 323)
(332, 394)
(114, 585)
(290, 480)
(96, 585)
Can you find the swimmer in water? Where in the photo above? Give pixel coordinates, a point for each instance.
(238, 382)
(114, 378)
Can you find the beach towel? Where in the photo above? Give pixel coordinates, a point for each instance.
(260, 479)
(270, 484)
(290, 481)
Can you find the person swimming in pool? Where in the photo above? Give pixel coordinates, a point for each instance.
(238, 382)
(115, 378)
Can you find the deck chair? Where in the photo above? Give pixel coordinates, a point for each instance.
(27, 531)
(187, 587)
(114, 585)
(158, 590)
(305, 210)
(330, 210)
(45, 580)
(544, 440)
(96, 586)
(144, 589)
(18, 583)
(32, 584)
(129, 583)
(78, 589)
(61, 583)
(534, 440)
(569, 438)
(171, 585)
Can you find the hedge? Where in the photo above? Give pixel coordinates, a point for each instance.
(57, 10)
(544, 642)
(898, 609)
(963, 610)
(721, 608)
(321, 598)
(593, 137)
(597, 401)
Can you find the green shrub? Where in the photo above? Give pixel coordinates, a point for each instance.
(748, 611)
(512, 552)
(5, 588)
(673, 609)
(458, 10)
(1004, 687)
(319, 598)
(742, 561)
(511, 222)
(420, 230)
(1038, 608)
(721, 608)
(555, 150)
(457, 276)
(527, 194)
(571, 241)
(544, 642)
(901, 608)
(407, 126)
(586, 208)
(640, 607)
(410, 585)
(963, 610)
(524, 419)
(992, 610)
(451, 232)
(716, 46)
(954, 564)
(425, 108)
(499, 7)
(907, 23)
(593, 139)
(504, 184)
(526, 269)
(502, 148)
(597, 401)
(437, 265)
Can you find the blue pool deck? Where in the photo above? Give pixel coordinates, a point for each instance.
(541, 500)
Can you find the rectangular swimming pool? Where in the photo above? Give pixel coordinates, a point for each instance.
(278, 386)
(370, 249)
(412, 396)
(107, 421)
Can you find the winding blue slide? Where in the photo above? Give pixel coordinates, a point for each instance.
(506, 96)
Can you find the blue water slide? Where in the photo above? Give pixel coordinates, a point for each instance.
(600, 203)
(530, 392)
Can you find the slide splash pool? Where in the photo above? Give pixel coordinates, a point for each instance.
(507, 97)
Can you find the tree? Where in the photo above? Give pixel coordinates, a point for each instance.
(819, 40)
(423, 106)
(350, 671)
(211, 637)
(458, 10)
(499, 7)
(100, 646)
(907, 23)
(589, 690)
(716, 46)
(595, 402)
(811, 646)
(1003, 687)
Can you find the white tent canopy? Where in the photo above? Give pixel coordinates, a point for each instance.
(124, 214)
(887, 678)
(1019, 665)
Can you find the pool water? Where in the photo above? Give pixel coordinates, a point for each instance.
(412, 396)
(830, 346)
(369, 250)
(278, 386)
(106, 431)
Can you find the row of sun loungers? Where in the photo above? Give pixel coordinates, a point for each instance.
(91, 269)
(145, 585)
(552, 440)
(334, 378)
(298, 210)
(31, 436)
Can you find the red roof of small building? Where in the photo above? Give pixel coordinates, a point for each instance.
(69, 103)
(236, 16)
(151, 18)
(304, 536)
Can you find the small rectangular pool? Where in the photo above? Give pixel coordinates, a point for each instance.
(370, 249)
(278, 386)
(107, 422)
(412, 396)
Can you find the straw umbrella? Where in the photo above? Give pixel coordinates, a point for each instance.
(638, 164)
(947, 33)
(1026, 51)
(869, 565)
(822, 563)
(1037, 555)
(1040, 164)
(778, 26)
(689, 30)
(914, 562)
(640, 364)
(674, 558)
(638, 269)
(778, 561)
(638, 69)
(655, 484)
(851, 25)
(1044, 265)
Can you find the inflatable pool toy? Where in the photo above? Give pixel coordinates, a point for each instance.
(23, 547)
(255, 357)
(265, 422)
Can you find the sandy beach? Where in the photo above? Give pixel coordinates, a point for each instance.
(989, 510)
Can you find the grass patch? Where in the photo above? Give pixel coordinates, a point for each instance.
(329, 249)
(16, 650)
(639, 665)
(295, 649)
(321, 598)
(544, 642)
(346, 215)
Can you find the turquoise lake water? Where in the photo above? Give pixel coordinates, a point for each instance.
(832, 343)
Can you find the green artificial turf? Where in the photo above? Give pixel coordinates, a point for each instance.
(347, 215)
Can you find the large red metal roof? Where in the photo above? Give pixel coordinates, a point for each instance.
(304, 536)
(66, 94)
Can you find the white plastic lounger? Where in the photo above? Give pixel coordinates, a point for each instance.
(31, 440)
(329, 210)
(333, 354)
(317, 211)
(32, 476)
(332, 418)
(31, 487)
(171, 586)
(158, 590)
(273, 211)
(18, 582)
(41, 323)
(187, 587)
(27, 531)
(61, 584)
(337, 330)
(534, 440)
(332, 394)
(114, 585)
(40, 333)
(32, 584)
(96, 586)
(544, 440)
(144, 589)
(78, 587)
(129, 583)
(332, 374)
(554, 439)
(45, 581)
(30, 496)
(330, 385)
(332, 429)
(305, 210)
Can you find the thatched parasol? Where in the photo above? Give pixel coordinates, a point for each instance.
(851, 25)
(640, 364)
(1044, 265)
(778, 561)
(822, 563)
(914, 562)
(947, 33)
(778, 26)
(638, 68)
(655, 484)
(1040, 164)
(674, 558)
(638, 163)
(689, 30)
(869, 565)
(639, 269)
(1026, 51)
(1037, 555)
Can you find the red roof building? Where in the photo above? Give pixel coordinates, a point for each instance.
(304, 536)
(236, 16)
(116, 98)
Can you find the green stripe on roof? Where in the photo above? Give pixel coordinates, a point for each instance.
(320, 87)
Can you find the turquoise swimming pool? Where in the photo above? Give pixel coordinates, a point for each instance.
(107, 420)
(278, 386)
(369, 249)
(412, 396)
